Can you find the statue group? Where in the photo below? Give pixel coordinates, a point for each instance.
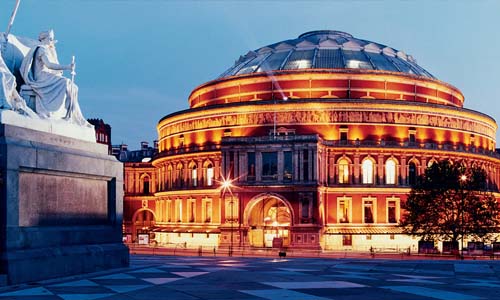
(32, 82)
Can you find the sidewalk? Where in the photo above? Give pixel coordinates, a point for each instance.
(243, 278)
(296, 253)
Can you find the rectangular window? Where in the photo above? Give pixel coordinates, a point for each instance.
(287, 166)
(412, 132)
(305, 163)
(343, 135)
(269, 165)
(251, 166)
(231, 164)
(344, 209)
(207, 211)
(346, 240)
(391, 212)
(169, 211)
(178, 210)
(368, 211)
(191, 209)
(305, 208)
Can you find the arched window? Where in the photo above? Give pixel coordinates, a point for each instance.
(194, 176)
(390, 171)
(367, 171)
(343, 171)
(170, 177)
(412, 173)
(210, 175)
(179, 174)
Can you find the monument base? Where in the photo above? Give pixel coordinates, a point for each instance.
(61, 206)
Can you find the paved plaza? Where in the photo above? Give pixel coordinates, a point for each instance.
(176, 278)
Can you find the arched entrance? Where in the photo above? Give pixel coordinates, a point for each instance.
(268, 218)
(143, 221)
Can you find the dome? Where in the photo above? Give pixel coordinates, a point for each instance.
(326, 49)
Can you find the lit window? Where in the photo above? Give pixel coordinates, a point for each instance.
(178, 210)
(368, 211)
(343, 171)
(210, 175)
(390, 172)
(344, 210)
(194, 176)
(367, 168)
(191, 210)
(207, 211)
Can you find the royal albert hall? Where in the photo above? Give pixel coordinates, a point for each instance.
(312, 142)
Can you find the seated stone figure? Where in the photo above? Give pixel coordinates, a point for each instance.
(56, 95)
(9, 98)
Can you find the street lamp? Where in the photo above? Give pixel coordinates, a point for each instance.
(226, 185)
(463, 179)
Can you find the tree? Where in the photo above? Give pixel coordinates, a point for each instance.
(451, 202)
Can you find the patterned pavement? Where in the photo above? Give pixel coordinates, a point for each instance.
(183, 278)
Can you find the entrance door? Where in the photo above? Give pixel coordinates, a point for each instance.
(270, 221)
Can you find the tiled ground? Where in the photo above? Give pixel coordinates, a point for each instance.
(173, 278)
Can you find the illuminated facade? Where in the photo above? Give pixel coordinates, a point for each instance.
(321, 137)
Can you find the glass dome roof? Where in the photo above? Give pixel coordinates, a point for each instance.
(325, 49)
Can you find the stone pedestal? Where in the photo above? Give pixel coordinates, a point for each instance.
(60, 208)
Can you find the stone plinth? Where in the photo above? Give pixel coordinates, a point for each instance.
(61, 206)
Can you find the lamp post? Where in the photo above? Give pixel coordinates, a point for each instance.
(463, 179)
(226, 185)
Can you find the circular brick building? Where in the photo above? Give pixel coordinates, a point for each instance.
(321, 138)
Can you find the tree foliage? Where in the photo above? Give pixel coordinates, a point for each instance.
(450, 201)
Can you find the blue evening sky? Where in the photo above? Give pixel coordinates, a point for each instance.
(138, 60)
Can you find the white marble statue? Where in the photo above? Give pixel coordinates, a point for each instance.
(9, 97)
(56, 97)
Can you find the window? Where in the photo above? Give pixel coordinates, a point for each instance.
(305, 208)
(251, 166)
(210, 175)
(412, 173)
(179, 175)
(287, 166)
(390, 172)
(168, 212)
(343, 135)
(346, 240)
(411, 136)
(194, 176)
(169, 177)
(269, 165)
(391, 211)
(305, 165)
(207, 210)
(231, 164)
(343, 171)
(368, 211)
(344, 210)
(178, 210)
(145, 185)
(367, 169)
(191, 210)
